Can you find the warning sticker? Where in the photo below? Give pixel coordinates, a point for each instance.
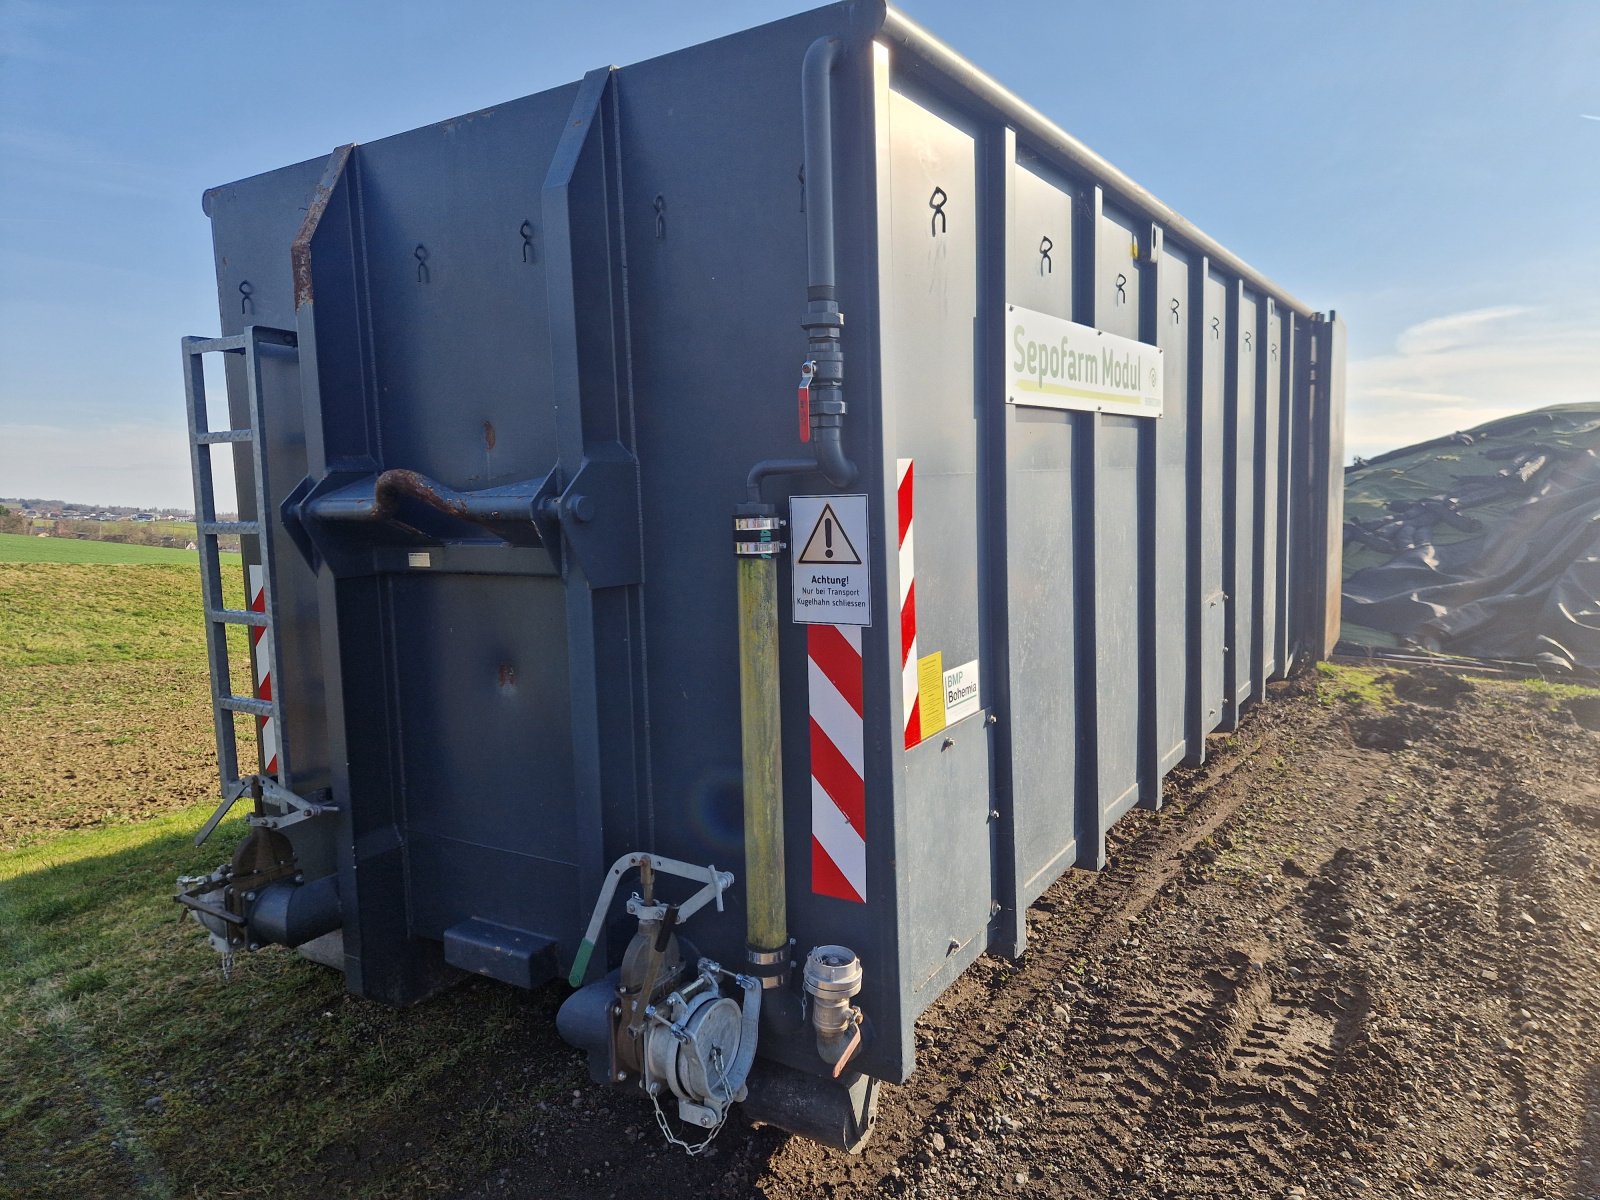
(930, 692)
(829, 545)
(831, 540)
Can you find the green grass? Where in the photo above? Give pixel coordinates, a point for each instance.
(1541, 687)
(21, 548)
(1353, 685)
(52, 614)
(1547, 693)
(130, 1067)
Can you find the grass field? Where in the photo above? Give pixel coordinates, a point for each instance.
(130, 1067)
(21, 548)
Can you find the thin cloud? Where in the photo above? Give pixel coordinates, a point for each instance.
(1453, 331)
(1461, 369)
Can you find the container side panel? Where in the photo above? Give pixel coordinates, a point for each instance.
(1239, 516)
(1174, 595)
(929, 312)
(1117, 277)
(1039, 249)
(1118, 568)
(1329, 537)
(1039, 512)
(1206, 434)
(1269, 486)
(1288, 497)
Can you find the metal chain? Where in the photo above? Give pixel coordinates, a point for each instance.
(693, 1150)
(672, 1139)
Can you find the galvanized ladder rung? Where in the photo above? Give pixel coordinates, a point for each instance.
(224, 701)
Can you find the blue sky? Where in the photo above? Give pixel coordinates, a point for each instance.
(1426, 168)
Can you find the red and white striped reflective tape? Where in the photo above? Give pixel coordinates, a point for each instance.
(908, 608)
(261, 640)
(838, 788)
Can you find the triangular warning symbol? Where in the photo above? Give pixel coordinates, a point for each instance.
(828, 546)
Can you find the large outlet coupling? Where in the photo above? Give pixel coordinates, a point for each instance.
(832, 979)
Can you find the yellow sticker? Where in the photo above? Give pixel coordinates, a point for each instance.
(930, 692)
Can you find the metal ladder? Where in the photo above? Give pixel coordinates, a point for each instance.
(224, 701)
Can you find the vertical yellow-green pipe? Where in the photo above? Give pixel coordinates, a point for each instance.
(766, 918)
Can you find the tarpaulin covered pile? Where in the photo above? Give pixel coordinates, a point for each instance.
(1483, 544)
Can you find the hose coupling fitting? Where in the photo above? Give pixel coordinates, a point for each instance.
(832, 978)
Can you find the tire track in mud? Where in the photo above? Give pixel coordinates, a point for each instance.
(1216, 1088)
(1539, 968)
(1140, 1059)
(1240, 1122)
(1206, 1080)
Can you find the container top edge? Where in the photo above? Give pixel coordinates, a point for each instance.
(903, 30)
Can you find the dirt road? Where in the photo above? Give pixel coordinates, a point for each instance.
(1357, 954)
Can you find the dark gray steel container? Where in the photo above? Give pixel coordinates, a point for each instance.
(590, 298)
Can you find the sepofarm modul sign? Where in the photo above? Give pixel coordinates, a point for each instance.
(1051, 363)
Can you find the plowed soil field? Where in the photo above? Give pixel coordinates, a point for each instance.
(1357, 954)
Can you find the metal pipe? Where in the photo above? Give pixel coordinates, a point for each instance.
(766, 915)
(768, 467)
(1052, 138)
(823, 321)
(816, 99)
(291, 914)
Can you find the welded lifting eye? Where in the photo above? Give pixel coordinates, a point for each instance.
(1045, 246)
(1122, 288)
(246, 304)
(527, 241)
(1274, 351)
(937, 223)
(1177, 309)
(660, 205)
(801, 176)
(421, 255)
(1247, 347)
(1216, 327)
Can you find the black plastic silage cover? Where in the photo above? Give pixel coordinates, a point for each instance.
(1484, 544)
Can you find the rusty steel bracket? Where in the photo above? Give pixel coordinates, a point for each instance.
(349, 521)
(590, 523)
